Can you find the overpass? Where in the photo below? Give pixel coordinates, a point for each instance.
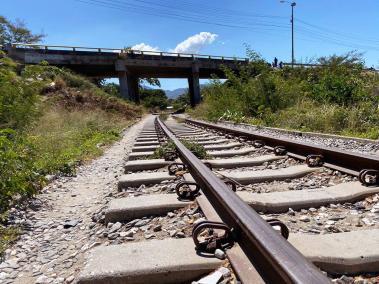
(128, 65)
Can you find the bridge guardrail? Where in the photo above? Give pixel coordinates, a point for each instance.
(124, 51)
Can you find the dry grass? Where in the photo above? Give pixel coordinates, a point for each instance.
(7, 236)
(64, 137)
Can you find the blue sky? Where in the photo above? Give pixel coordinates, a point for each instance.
(321, 27)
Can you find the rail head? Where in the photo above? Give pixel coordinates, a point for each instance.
(273, 256)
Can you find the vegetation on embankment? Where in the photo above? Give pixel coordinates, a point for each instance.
(339, 97)
(50, 121)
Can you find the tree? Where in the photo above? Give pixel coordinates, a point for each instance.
(17, 32)
(153, 98)
(149, 81)
(181, 101)
(112, 88)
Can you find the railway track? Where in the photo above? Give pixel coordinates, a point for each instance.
(255, 210)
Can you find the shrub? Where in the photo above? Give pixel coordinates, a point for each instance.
(18, 97)
(197, 149)
(18, 177)
(153, 98)
(50, 120)
(338, 97)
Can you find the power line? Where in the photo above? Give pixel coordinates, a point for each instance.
(206, 8)
(333, 40)
(218, 17)
(191, 18)
(341, 34)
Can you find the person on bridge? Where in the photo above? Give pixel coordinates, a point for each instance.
(275, 64)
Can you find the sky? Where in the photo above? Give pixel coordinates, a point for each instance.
(223, 27)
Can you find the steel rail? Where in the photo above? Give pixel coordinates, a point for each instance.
(273, 257)
(348, 162)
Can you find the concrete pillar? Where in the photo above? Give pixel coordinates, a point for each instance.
(128, 82)
(194, 86)
(133, 88)
(129, 88)
(123, 81)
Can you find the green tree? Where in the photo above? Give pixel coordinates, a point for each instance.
(154, 98)
(112, 89)
(181, 101)
(17, 32)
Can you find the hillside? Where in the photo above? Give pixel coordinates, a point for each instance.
(50, 121)
(173, 94)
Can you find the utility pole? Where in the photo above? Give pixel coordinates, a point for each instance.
(293, 4)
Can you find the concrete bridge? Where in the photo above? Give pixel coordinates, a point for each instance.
(128, 65)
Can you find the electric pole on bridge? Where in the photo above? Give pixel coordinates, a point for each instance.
(293, 4)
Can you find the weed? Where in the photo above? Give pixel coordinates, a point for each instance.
(197, 149)
(50, 121)
(8, 235)
(338, 97)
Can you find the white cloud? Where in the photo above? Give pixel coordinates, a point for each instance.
(195, 43)
(144, 47)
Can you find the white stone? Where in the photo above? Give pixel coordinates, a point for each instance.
(219, 254)
(116, 226)
(304, 219)
(225, 271)
(213, 278)
(42, 280)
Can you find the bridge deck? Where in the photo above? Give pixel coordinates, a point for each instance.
(129, 65)
(101, 62)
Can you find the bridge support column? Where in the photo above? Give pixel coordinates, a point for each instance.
(128, 86)
(128, 82)
(194, 86)
(133, 87)
(123, 81)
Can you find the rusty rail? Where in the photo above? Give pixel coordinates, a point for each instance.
(348, 162)
(272, 256)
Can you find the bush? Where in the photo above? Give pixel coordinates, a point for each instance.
(18, 177)
(181, 102)
(338, 97)
(18, 97)
(50, 120)
(154, 98)
(197, 149)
